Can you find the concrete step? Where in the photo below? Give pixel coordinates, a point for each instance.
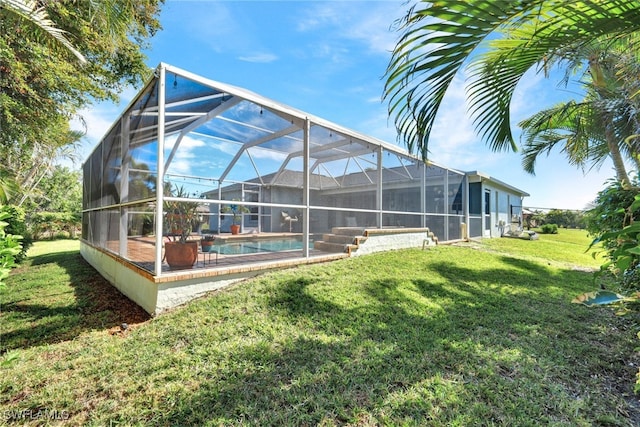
(348, 231)
(329, 246)
(342, 239)
(338, 238)
(358, 240)
(351, 248)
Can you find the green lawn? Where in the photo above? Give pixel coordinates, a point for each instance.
(567, 248)
(474, 334)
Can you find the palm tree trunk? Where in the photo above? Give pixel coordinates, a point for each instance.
(618, 162)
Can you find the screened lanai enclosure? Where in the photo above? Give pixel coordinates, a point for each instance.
(297, 185)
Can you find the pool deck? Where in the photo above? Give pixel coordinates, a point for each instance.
(245, 263)
(134, 274)
(141, 254)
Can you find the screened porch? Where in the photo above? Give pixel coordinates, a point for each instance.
(297, 178)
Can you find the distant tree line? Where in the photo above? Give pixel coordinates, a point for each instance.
(563, 218)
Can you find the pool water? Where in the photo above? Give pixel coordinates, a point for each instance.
(254, 247)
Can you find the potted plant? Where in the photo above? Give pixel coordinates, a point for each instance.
(236, 210)
(180, 217)
(207, 242)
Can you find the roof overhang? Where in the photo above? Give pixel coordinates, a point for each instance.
(477, 176)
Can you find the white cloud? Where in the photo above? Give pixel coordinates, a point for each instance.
(211, 23)
(374, 27)
(94, 122)
(185, 158)
(265, 154)
(365, 22)
(263, 58)
(453, 141)
(528, 96)
(381, 127)
(100, 116)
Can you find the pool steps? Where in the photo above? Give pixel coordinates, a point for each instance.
(341, 239)
(348, 239)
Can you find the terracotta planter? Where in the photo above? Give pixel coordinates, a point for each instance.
(206, 245)
(235, 229)
(181, 255)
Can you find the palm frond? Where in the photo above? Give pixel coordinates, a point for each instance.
(37, 16)
(439, 38)
(575, 125)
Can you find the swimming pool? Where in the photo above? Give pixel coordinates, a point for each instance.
(253, 247)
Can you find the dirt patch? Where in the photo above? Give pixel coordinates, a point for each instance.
(105, 298)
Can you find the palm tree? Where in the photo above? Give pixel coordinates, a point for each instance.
(7, 186)
(581, 129)
(39, 19)
(38, 96)
(440, 38)
(43, 161)
(600, 125)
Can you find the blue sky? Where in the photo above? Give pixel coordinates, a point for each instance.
(329, 59)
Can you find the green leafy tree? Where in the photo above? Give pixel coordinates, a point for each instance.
(43, 84)
(564, 218)
(28, 165)
(58, 205)
(36, 16)
(438, 39)
(557, 217)
(53, 224)
(613, 222)
(533, 218)
(61, 191)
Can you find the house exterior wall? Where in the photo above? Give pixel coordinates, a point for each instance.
(493, 209)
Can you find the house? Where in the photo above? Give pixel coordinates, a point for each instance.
(495, 207)
(311, 190)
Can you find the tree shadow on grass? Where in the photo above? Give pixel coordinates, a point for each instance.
(400, 360)
(39, 310)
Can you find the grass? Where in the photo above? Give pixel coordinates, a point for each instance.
(480, 334)
(56, 296)
(568, 248)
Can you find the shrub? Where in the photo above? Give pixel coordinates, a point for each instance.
(16, 226)
(614, 222)
(611, 211)
(10, 248)
(549, 229)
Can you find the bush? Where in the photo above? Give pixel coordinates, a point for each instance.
(615, 223)
(16, 226)
(10, 248)
(549, 229)
(611, 211)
